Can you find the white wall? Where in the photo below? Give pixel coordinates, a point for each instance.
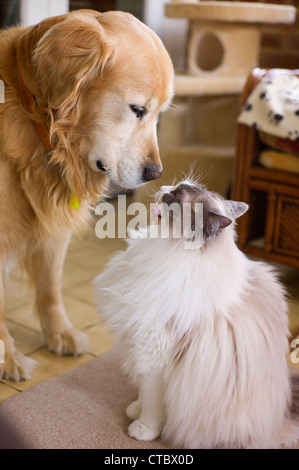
(33, 11)
(172, 31)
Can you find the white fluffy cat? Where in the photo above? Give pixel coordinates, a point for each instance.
(203, 333)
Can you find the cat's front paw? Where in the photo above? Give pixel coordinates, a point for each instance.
(142, 432)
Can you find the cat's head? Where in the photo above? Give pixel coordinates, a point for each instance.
(206, 208)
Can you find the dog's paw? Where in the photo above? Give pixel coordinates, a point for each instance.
(142, 432)
(71, 342)
(133, 411)
(16, 367)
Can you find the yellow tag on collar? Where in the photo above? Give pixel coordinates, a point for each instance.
(74, 201)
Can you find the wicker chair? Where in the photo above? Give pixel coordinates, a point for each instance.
(270, 229)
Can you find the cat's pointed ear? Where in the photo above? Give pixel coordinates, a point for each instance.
(215, 222)
(237, 208)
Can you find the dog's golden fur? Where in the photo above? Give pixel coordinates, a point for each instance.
(85, 70)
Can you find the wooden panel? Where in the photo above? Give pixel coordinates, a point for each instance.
(274, 175)
(259, 252)
(287, 227)
(270, 221)
(262, 185)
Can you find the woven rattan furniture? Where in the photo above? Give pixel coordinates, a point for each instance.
(270, 229)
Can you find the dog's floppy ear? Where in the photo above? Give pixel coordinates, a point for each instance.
(67, 55)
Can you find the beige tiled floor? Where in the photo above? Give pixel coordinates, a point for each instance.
(85, 259)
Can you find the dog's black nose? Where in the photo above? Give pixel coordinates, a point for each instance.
(152, 172)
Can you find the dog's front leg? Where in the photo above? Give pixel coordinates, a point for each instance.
(47, 270)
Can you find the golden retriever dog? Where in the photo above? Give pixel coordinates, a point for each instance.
(83, 92)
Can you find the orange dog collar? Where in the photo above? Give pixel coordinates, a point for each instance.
(29, 103)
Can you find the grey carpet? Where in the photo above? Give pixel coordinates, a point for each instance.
(81, 409)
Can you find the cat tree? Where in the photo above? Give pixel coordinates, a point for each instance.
(223, 47)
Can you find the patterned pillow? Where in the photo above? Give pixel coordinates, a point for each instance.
(273, 109)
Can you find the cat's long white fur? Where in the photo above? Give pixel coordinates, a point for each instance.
(209, 327)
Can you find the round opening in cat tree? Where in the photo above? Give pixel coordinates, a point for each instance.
(210, 52)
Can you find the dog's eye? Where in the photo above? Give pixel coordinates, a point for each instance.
(138, 110)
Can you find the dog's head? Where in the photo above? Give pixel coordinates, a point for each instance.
(104, 79)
